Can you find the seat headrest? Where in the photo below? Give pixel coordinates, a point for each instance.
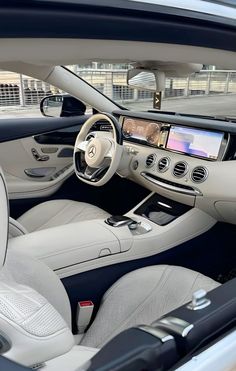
(4, 215)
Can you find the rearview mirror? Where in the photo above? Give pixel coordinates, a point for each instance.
(146, 79)
(61, 106)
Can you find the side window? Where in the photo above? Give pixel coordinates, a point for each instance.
(20, 95)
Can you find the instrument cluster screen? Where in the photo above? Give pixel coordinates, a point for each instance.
(142, 131)
(195, 142)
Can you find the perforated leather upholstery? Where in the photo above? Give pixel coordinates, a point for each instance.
(32, 272)
(139, 297)
(35, 329)
(59, 212)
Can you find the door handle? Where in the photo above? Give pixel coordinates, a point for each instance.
(39, 157)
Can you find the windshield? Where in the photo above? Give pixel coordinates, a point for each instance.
(210, 92)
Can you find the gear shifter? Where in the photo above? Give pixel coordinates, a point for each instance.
(121, 220)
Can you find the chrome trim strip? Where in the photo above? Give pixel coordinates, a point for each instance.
(176, 325)
(162, 335)
(169, 187)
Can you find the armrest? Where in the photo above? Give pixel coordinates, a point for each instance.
(70, 244)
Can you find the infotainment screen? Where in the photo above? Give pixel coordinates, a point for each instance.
(141, 130)
(195, 142)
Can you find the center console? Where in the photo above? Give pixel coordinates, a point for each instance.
(155, 225)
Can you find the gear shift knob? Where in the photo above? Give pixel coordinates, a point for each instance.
(121, 220)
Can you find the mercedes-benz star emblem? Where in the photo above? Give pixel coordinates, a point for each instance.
(92, 151)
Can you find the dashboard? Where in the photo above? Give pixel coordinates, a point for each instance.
(185, 158)
(195, 142)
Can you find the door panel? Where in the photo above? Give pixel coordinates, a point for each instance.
(36, 166)
(12, 129)
(28, 175)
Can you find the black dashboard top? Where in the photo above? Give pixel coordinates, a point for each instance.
(197, 122)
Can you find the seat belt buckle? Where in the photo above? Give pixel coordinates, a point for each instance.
(84, 315)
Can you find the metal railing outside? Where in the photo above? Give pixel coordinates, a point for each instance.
(19, 90)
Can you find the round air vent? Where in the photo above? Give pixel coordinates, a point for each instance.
(163, 164)
(180, 169)
(199, 174)
(150, 160)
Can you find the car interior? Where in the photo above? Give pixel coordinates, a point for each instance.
(117, 225)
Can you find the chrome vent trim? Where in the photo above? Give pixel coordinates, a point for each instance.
(163, 164)
(171, 186)
(180, 169)
(150, 160)
(199, 174)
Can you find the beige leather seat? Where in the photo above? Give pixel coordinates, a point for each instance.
(139, 297)
(59, 212)
(37, 316)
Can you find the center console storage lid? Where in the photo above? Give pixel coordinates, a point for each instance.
(69, 244)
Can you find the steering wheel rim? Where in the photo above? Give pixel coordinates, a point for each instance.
(96, 160)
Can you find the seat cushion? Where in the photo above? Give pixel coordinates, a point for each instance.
(141, 297)
(59, 212)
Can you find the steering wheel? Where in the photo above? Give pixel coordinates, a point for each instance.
(96, 160)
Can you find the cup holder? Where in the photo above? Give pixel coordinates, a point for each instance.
(161, 210)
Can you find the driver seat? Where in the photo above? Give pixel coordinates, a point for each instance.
(52, 214)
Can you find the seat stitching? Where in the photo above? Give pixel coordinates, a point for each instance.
(139, 306)
(53, 217)
(84, 208)
(185, 298)
(117, 283)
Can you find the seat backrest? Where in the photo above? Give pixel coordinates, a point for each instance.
(35, 314)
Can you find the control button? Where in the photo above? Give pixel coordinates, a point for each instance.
(39, 157)
(135, 165)
(199, 300)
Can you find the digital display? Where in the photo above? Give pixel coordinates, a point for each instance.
(195, 142)
(141, 130)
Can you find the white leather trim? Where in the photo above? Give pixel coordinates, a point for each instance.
(218, 190)
(159, 239)
(69, 244)
(20, 188)
(32, 272)
(74, 360)
(141, 297)
(59, 212)
(15, 228)
(117, 152)
(36, 330)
